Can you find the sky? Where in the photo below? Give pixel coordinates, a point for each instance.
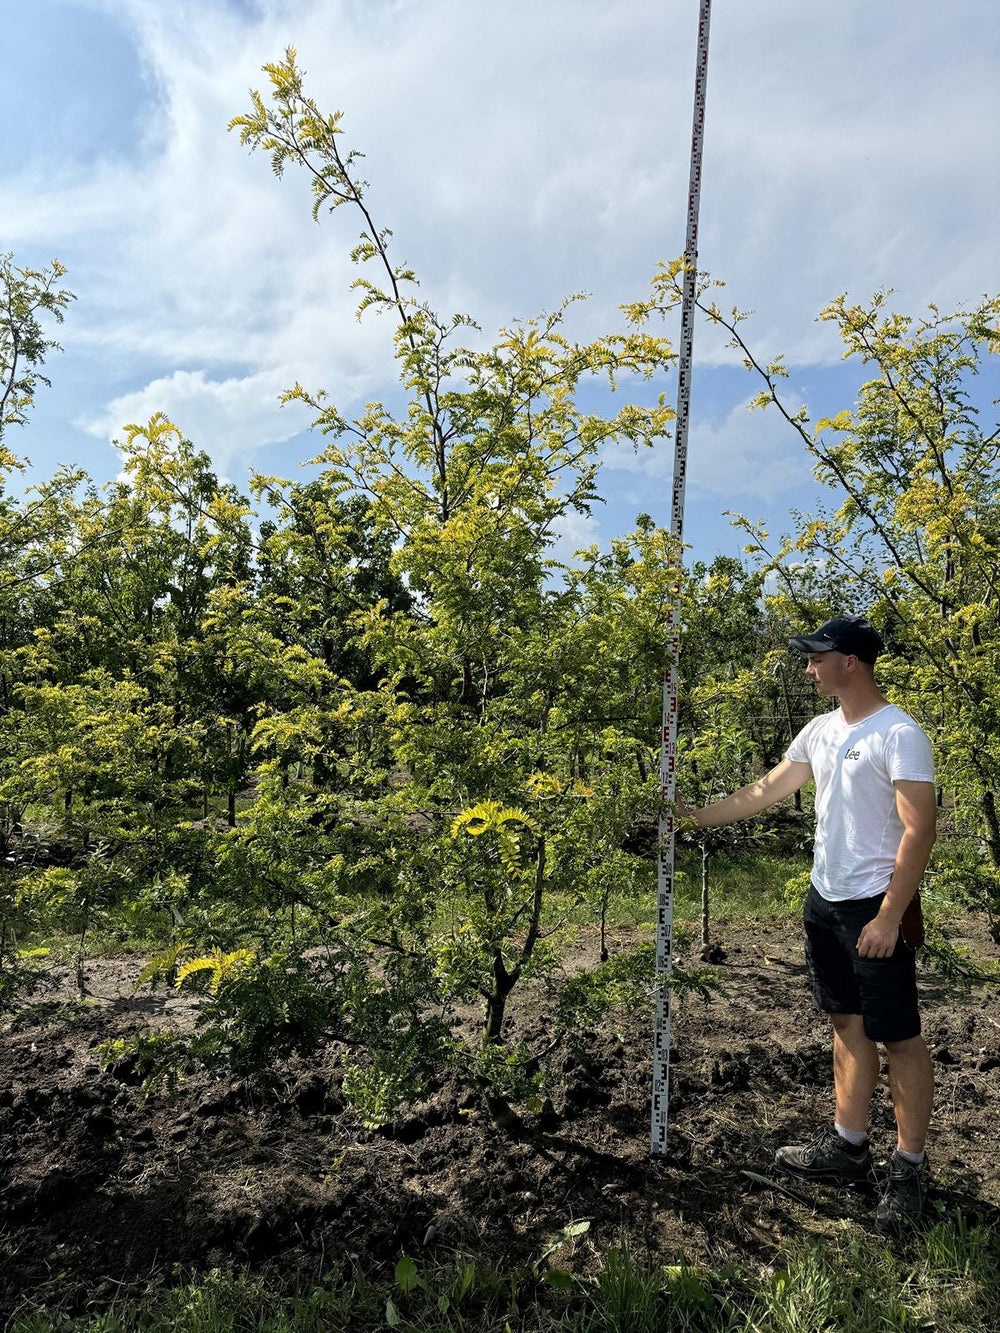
(521, 151)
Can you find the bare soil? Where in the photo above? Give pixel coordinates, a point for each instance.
(101, 1192)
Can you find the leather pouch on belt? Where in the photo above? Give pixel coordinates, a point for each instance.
(912, 924)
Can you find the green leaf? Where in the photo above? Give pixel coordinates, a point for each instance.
(407, 1277)
(392, 1316)
(559, 1278)
(468, 1277)
(568, 1232)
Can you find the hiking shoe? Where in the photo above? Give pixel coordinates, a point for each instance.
(827, 1156)
(903, 1197)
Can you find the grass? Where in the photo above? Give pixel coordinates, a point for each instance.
(751, 884)
(948, 1280)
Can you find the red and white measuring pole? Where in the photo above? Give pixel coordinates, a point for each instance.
(668, 752)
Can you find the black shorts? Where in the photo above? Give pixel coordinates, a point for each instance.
(882, 990)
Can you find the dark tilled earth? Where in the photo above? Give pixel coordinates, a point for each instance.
(102, 1193)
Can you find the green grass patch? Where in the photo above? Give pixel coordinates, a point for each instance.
(947, 1279)
(749, 885)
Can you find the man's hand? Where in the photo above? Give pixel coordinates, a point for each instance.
(878, 939)
(683, 815)
(916, 806)
(686, 820)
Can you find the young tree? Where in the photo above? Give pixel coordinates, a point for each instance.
(504, 688)
(26, 296)
(915, 536)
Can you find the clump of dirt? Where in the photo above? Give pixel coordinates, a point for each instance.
(102, 1192)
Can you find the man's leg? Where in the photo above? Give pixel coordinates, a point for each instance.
(830, 1155)
(855, 1071)
(892, 1017)
(840, 1153)
(911, 1083)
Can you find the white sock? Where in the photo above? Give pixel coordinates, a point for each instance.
(915, 1157)
(854, 1136)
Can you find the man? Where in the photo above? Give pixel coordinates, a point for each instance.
(875, 826)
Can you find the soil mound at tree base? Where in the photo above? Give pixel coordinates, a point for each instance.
(102, 1192)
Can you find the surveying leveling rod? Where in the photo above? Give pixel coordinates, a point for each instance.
(668, 752)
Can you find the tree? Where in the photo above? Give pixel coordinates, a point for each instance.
(512, 692)
(26, 295)
(110, 699)
(915, 536)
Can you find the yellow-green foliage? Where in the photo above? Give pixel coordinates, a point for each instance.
(218, 965)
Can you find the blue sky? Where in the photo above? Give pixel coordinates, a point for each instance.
(521, 150)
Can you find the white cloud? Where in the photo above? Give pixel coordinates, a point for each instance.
(573, 532)
(237, 415)
(747, 453)
(743, 454)
(521, 152)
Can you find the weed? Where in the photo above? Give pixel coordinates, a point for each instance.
(949, 1283)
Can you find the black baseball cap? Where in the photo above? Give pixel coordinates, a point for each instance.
(850, 635)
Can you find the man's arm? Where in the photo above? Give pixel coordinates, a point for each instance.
(916, 805)
(784, 779)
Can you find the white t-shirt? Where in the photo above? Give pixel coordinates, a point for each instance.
(854, 765)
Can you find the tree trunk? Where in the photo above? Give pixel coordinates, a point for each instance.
(791, 726)
(496, 1003)
(501, 1111)
(988, 807)
(705, 941)
(81, 980)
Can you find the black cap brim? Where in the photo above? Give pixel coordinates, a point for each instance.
(804, 645)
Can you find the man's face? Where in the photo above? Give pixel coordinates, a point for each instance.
(828, 671)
